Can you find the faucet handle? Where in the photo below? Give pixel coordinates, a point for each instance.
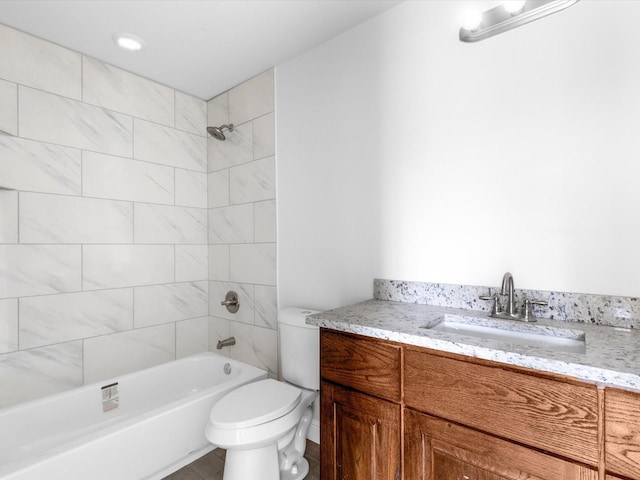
(495, 309)
(527, 314)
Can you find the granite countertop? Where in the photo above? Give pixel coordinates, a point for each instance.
(611, 357)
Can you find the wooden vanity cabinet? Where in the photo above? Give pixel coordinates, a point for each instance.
(391, 411)
(360, 393)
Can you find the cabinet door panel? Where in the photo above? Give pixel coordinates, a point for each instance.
(622, 432)
(435, 449)
(360, 436)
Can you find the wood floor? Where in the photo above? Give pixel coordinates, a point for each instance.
(211, 466)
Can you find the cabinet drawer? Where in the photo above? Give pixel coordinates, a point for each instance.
(369, 366)
(437, 449)
(543, 413)
(622, 432)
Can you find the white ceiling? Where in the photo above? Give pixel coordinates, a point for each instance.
(201, 47)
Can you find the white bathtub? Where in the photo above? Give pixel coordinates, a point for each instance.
(154, 427)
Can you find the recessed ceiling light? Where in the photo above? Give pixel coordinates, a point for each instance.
(128, 41)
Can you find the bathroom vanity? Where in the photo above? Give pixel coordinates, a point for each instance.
(401, 401)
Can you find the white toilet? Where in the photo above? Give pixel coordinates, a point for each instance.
(263, 425)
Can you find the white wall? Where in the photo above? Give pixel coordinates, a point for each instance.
(404, 153)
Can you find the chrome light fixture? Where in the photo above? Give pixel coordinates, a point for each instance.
(511, 14)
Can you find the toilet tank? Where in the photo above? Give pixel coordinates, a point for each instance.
(299, 348)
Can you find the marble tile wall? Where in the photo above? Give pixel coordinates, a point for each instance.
(103, 219)
(242, 222)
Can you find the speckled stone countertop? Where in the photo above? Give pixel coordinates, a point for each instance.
(611, 356)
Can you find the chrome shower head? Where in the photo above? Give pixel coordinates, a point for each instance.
(216, 132)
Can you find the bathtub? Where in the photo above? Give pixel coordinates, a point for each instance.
(144, 425)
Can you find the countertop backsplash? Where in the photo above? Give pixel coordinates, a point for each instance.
(571, 307)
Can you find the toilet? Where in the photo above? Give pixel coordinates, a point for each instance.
(263, 425)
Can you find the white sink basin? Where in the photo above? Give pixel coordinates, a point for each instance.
(512, 332)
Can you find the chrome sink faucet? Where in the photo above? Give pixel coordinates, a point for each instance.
(507, 289)
(511, 313)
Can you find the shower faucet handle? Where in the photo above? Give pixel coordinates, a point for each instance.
(231, 301)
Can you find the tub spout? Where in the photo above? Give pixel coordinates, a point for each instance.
(227, 342)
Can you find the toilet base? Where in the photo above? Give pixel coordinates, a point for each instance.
(301, 469)
(254, 464)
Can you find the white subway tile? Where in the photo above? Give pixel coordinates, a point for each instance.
(120, 178)
(168, 146)
(191, 188)
(256, 346)
(218, 110)
(219, 262)
(113, 266)
(8, 216)
(253, 182)
(252, 98)
(110, 87)
(231, 224)
(217, 292)
(39, 372)
(253, 263)
(264, 136)
(166, 224)
(28, 60)
(125, 352)
(39, 269)
(169, 303)
(218, 189)
(266, 304)
(53, 119)
(265, 221)
(191, 263)
(191, 114)
(8, 107)
(8, 325)
(235, 150)
(59, 318)
(48, 218)
(192, 336)
(39, 167)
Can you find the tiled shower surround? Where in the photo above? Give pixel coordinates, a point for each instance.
(113, 198)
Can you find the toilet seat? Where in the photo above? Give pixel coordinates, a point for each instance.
(254, 404)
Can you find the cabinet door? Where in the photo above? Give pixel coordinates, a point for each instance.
(360, 436)
(622, 432)
(435, 449)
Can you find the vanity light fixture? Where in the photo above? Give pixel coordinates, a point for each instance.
(511, 14)
(128, 41)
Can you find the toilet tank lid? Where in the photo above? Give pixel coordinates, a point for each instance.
(296, 316)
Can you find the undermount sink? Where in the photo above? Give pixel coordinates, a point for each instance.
(511, 332)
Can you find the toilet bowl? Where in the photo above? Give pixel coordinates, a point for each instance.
(263, 425)
(265, 439)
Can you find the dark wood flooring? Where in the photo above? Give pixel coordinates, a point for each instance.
(211, 465)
